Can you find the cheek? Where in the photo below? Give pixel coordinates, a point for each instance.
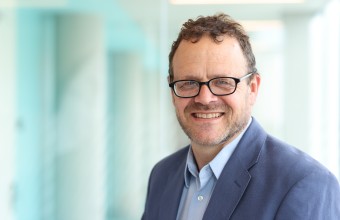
(236, 104)
(231, 101)
(180, 104)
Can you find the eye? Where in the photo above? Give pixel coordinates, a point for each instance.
(223, 83)
(186, 85)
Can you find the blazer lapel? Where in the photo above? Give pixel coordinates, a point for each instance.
(228, 192)
(235, 177)
(172, 194)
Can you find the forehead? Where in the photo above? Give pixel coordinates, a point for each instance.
(207, 56)
(207, 46)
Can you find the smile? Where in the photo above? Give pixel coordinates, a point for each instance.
(207, 115)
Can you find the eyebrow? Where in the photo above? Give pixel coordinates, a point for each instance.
(196, 78)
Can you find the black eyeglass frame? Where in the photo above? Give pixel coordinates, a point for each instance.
(237, 81)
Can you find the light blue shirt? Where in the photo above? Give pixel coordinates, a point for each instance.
(200, 185)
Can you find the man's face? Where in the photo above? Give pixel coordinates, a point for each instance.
(211, 120)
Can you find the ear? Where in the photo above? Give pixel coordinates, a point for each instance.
(254, 88)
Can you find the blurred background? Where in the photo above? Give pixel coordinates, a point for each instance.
(86, 111)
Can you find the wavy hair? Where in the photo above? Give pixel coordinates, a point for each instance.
(214, 27)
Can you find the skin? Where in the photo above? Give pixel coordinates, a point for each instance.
(212, 121)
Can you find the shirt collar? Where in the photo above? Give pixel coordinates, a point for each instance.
(217, 164)
(190, 168)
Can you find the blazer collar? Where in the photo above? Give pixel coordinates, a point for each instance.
(235, 176)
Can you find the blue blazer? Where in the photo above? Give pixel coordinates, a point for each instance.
(264, 179)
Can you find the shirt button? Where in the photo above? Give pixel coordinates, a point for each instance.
(200, 198)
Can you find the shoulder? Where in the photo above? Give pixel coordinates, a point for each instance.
(258, 150)
(310, 190)
(288, 157)
(299, 187)
(172, 162)
(292, 165)
(169, 169)
(270, 158)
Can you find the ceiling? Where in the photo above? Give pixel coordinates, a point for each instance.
(135, 18)
(147, 11)
(158, 12)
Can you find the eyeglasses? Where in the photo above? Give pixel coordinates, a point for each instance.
(219, 86)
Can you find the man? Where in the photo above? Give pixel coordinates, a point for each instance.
(232, 169)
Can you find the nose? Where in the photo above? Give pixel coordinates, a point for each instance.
(205, 96)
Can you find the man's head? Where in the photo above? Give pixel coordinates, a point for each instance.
(214, 27)
(206, 49)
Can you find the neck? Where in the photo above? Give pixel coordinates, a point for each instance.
(204, 154)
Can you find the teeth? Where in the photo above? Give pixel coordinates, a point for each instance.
(210, 115)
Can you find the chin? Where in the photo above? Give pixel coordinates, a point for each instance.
(208, 141)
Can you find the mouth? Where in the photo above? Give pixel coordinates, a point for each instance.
(207, 115)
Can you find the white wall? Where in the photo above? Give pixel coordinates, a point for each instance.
(80, 113)
(7, 112)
